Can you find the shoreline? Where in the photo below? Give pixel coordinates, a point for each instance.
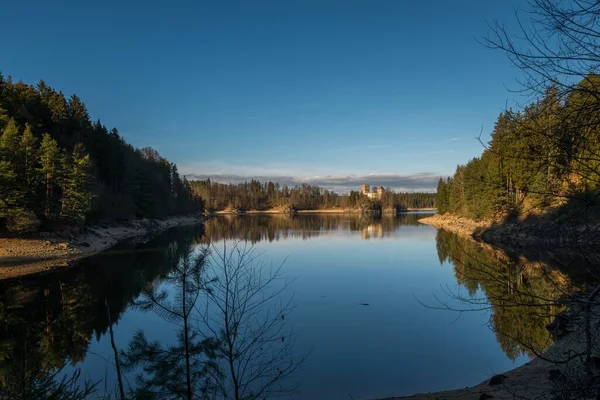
(544, 232)
(536, 379)
(28, 256)
(458, 225)
(531, 380)
(317, 211)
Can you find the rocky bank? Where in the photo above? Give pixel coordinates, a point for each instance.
(46, 251)
(542, 231)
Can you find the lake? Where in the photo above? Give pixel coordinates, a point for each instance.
(366, 293)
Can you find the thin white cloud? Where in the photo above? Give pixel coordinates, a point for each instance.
(417, 182)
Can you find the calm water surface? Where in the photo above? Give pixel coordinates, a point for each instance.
(392, 346)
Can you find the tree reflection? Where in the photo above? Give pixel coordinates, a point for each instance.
(523, 295)
(257, 228)
(47, 321)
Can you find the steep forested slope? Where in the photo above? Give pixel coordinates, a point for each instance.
(57, 167)
(545, 157)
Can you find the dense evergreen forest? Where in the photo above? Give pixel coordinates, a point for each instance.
(544, 157)
(255, 195)
(59, 168)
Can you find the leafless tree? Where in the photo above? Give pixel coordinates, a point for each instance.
(572, 311)
(558, 43)
(557, 47)
(248, 311)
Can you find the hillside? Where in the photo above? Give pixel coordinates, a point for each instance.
(58, 168)
(541, 162)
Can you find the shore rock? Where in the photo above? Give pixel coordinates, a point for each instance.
(546, 232)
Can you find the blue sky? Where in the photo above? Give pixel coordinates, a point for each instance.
(330, 92)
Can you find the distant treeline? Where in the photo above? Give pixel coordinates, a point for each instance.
(59, 168)
(255, 195)
(540, 158)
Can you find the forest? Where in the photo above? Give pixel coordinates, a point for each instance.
(255, 195)
(59, 168)
(544, 157)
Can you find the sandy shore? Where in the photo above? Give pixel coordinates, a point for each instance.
(458, 225)
(237, 212)
(278, 211)
(21, 256)
(330, 211)
(320, 211)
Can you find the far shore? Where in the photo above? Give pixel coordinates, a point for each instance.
(318, 211)
(47, 251)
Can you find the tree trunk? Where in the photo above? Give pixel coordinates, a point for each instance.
(116, 353)
(188, 377)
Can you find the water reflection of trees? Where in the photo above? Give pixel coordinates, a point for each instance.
(256, 228)
(521, 294)
(47, 321)
(230, 314)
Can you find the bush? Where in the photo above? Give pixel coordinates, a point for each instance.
(22, 221)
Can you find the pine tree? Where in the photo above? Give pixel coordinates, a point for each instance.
(50, 174)
(77, 196)
(11, 195)
(182, 370)
(126, 181)
(28, 166)
(4, 118)
(79, 119)
(441, 198)
(14, 188)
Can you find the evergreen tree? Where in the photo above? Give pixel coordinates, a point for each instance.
(77, 196)
(11, 195)
(182, 370)
(35, 182)
(50, 171)
(441, 198)
(29, 166)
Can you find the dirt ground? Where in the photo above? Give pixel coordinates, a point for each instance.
(19, 256)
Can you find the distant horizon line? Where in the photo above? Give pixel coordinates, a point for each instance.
(424, 182)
